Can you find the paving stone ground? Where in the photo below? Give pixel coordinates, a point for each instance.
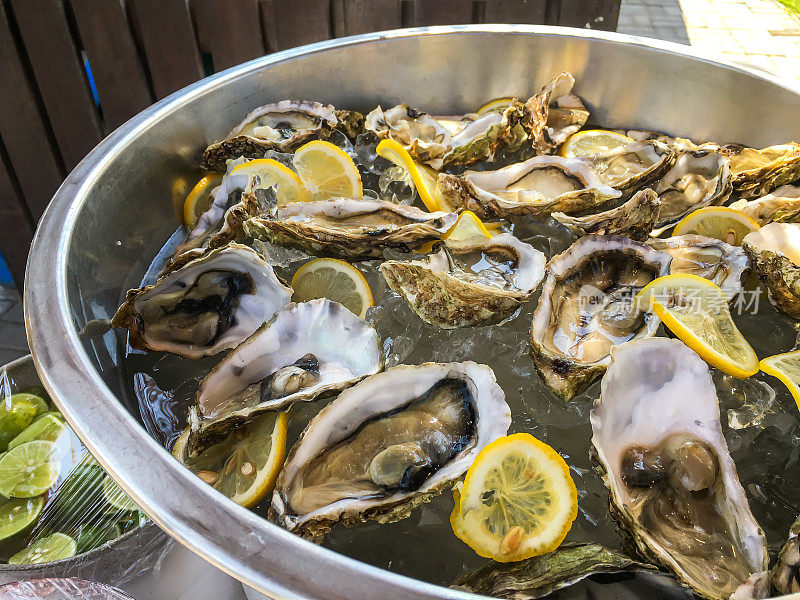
(760, 33)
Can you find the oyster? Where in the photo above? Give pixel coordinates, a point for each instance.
(781, 205)
(388, 444)
(306, 350)
(633, 166)
(542, 575)
(446, 141)
(673, 485)
(634, 218)
(350, 228)
(477, 281)
(713, 259)
(699, 178)
(758, 172)
(538, 186)
(786, 572)
(554, 114)
(209, 305)
(280, 126)
(587, 307)
(775, 252)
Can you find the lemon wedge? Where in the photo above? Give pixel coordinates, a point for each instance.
(424, 177)
(696, 311)
(468, 226)
(592, 141)
(245, 464)
(327, 171)
(785, 367)
(496, 105)
(336, 280)
(518, 500)
(270, 173)
(199, 200)
(719, 222)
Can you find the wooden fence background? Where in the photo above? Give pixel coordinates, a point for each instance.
(139, 51)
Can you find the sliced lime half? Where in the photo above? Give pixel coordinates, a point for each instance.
(116, 497)
(44, 550)
(16, 413)
(17, 514)
(48, 428)
(29, 470)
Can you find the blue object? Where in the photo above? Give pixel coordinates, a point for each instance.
(92, 87)
(5, 274)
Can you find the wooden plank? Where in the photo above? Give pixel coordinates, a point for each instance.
(515, 11)
(298, 22)
(229, 30)
(167, 36)
(440, 12)
(16, 229)
(23, 127)
(595, 14)
(113, 58)
(351, 17)
(60, 77)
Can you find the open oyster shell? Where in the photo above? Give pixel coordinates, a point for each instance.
(554, 114)
(758, 172)
(786, 572)
(673, 486)
(387, 445)
(307, 350)
(474, 282)
(538, 186)
(775, 252)
(631, 167)
(781, 205)
(706, 257)
(281, 126)
(634, 218)
(350, 228)
(587, 307)
(209, 305)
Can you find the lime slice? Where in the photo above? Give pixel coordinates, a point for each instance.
(29, 470)
(38, 401)
(116, 497)
(18, 514)
(90, 537)
(54, 413)
(47, 549)
(47, 427)
(16, 413)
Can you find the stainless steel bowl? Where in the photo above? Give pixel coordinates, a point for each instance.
(113, 213)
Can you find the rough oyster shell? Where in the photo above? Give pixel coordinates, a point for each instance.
(634, 218)
(362, 460)
(538, 186)
(775, 252)
(209, 305)
(758, 172)
(781, 205)
(631, 167)
(307, 350)
(786, 572)
(713, 259)
(554, 114)
(586, 307)
(350, 228)
(673, 485)
(447, 293)
(280, 126)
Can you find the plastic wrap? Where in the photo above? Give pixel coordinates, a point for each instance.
(60, 589)
(60, 513)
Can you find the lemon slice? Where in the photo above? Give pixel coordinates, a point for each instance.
(199, 200)
(270, 173)
(468, 226)
(518, 500)
(592, 141)
(44, 550)
(245, 464)
(496, 105)
(785, 367)
(424, 177)
(696, 311)
(719, 222)
(327, 171)
(334, 279)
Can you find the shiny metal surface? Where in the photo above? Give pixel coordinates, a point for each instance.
(114, 211)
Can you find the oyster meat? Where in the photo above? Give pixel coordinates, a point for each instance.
(781, 205)
(280, 126)
(209, 305)
(587, 307)
(307, 350)
(775, 253)
(713, 259)
(758, 172)
(673, 485)
(634, 218)
(538, 186)
(476, 281)
(633, 166)
(786, 572)
(554, 114)
(350, 228)
(388, 444)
